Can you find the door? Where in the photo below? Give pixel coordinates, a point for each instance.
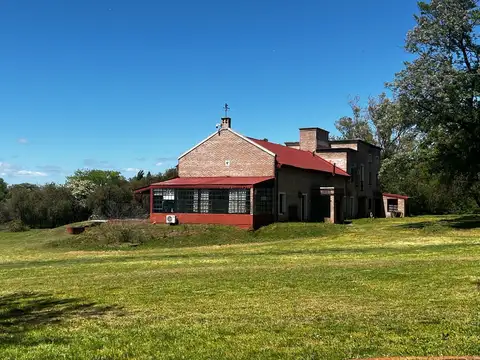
(304, 207)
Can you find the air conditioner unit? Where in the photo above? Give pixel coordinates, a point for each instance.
(171, 219)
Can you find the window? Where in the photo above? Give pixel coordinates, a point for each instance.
(205, 201)
(369, 158)
(392, 205)
(263, 201)
(237, 201)
(163, 200)
(370, 178)
(377, 180)
(282, 203)
(185, 201)
(369, 203)
(377, 159)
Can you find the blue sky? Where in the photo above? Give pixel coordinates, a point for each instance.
(126, 85)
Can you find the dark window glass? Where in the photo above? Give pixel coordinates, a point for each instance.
(263, 201)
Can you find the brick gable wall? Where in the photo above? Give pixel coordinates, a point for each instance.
(208, 159)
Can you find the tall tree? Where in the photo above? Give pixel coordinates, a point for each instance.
(3, 189)
(357, 126)
(440, 90)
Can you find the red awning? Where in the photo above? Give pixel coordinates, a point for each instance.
(224, 182)
(395, 196)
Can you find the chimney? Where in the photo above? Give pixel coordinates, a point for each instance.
(312, 139)
(226, 123)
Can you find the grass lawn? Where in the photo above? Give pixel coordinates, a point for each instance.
(389, 287)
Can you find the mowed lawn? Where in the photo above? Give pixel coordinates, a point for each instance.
(389, 287)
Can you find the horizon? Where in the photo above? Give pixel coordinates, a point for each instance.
(125, 87)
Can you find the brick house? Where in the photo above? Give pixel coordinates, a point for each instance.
(232, 179)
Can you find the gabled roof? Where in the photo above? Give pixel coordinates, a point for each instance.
(299, 158)
(234, 132)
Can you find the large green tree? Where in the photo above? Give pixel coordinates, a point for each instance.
(3, 189)
(439, 90)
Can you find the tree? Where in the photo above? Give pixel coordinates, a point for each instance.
(439, 90)
(3, 189)
(356, 127)
(381, 123)
(98, 177)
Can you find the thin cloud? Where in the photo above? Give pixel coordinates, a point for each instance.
(159, 163)
(29, 173)
(141, 159)
(11, 170)
(131, 170)
(50, 169)
(22, 141)
(92, 163)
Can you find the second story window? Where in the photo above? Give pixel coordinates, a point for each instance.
(370, 178)
(370, 158)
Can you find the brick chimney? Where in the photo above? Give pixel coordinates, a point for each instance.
(226, 123)
(312, 139)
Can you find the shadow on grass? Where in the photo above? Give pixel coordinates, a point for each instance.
(462, 222)
(23, 312)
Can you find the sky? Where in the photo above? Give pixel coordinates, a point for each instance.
(128, 85)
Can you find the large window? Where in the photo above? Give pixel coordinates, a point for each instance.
(206, 201)
(263, 201)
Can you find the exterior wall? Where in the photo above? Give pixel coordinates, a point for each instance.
(355, 160)
(244, 221)
(209, 159)
(337, 158)
(352, 146)
(401, 206)
(291, 181)
(312, 139)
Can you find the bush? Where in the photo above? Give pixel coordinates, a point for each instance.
(17, 226)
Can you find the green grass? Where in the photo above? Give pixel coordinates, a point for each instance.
(390, 287)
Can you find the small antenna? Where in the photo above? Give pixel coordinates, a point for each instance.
(226, 108)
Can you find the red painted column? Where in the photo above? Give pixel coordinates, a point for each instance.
(151, 203)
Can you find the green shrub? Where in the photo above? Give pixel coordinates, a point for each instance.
(17, 226)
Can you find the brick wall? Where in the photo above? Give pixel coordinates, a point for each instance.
(337, 158)
(226, 154)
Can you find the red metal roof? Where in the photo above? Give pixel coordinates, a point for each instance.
(299, 158)
(395, 196)
(213, 182)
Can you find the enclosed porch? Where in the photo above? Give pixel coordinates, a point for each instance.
(246, 202)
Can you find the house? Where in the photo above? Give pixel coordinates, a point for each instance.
(232, 179)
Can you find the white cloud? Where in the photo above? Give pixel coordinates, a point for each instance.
(132, 170)
(29, 173)
(10, 170)
(159, 163)
(22, 141)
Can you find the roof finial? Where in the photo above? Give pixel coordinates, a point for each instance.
(226, 108)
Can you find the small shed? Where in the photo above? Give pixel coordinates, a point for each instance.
(395, 205)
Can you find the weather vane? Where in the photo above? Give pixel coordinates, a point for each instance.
(226, 108)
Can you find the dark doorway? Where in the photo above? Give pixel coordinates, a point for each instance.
(362, 211)
(320, 207)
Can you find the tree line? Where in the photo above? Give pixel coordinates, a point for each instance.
(429, 125)
(85, 194)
